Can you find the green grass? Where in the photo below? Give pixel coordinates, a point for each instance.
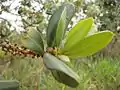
(97, 74)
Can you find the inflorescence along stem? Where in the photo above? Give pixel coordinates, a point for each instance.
(16, 50)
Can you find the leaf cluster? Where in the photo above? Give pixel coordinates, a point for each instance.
(77, 43)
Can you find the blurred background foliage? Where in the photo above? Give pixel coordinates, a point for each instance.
(96, 72)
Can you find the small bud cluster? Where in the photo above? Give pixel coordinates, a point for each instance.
(16, 50)
(53, 51)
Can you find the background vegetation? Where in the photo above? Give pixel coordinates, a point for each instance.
(98, 72)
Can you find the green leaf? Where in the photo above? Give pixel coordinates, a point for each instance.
(34, 41)
(60, 70)
(89, 45)
(93, 30)
(61, 28)
(70, 11)
(52, 26)
(78, 32)
(64, 58)
(9, 85)
(55, 19)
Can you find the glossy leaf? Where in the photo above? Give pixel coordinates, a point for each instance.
(92, 30)
(61, 28)
(61, 71)
(54, 20)
(64, 58)
(52, 26)
(89, 45)
(34, 41)
(9, 85)
(70, 11)
(78, 32)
